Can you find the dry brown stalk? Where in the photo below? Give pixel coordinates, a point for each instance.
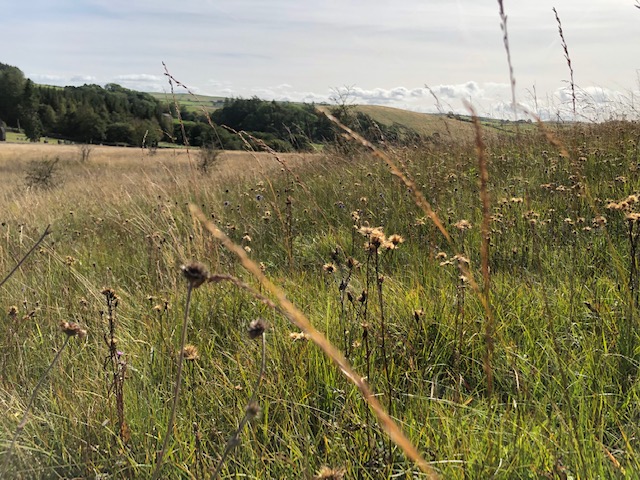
(505, 39)
(568, 59)
(300, 320)
(485, 231)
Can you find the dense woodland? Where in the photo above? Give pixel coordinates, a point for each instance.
(118, 116)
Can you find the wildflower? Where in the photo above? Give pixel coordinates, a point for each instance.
(256, 328)
(632, 217)
(462, 225)
(298, 336)
(246, 238)
(195, 273)
(73, 329)
(190, 352)
(599, 221)
(13, 312)
(326, 473)
(329, 267)
(396, 239)
(247, 248)
(352, 263)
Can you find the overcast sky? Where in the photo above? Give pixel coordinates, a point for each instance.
(303, 50)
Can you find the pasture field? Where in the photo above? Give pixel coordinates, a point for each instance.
(527, 368)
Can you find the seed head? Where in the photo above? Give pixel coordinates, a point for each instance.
(253, 410)
(72, 329)
(190, 352)
(326, 473)
(329, 267)
(195, 273)
(256, 328)
(298, 336)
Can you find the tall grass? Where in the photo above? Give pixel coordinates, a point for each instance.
(564, 397)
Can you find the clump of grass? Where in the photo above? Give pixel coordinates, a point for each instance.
(70, 329)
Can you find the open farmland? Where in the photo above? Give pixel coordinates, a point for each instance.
(528, 369)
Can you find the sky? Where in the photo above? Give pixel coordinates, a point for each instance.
(422, 55)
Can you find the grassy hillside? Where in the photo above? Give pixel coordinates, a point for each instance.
(194, 103)
(527, 368)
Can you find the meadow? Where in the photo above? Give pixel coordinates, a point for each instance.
(516, 359)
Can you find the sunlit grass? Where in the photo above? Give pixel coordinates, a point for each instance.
(565, 390)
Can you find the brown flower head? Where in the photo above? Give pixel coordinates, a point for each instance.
(256, 328)
(326, 473)
(195, 273)
(329, 267)
(190, 352)
(73, 329)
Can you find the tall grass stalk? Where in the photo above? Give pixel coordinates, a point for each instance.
(196, 275)
(257, 328)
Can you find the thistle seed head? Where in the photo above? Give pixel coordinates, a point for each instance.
(195, 273)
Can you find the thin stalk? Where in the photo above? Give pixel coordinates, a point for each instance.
(250, 411)
(46, 232)
(176, 391)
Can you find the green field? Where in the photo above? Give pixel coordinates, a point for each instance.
(527, 368)
(192, 102)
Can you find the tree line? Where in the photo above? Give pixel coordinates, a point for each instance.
(116, 115)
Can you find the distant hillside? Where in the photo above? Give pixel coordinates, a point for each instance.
(193, 103)
(425, 124)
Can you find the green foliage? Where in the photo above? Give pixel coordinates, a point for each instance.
(12, 84)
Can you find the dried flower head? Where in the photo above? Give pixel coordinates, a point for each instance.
(462, 225)
(253, 410)
(195, 273)
(256, 328)
(396, 239)
(13, 312)
(329, 267)
(632, 217)
(109, 293)
(73, 329)
(190, 352)
(352, 263)
(298, 336)
(326, 473)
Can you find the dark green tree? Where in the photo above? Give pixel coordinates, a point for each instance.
(12, 83)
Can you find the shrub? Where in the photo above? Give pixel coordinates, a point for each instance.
(42, 174)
